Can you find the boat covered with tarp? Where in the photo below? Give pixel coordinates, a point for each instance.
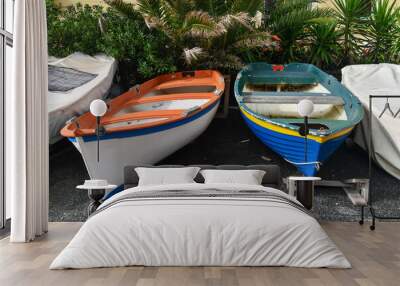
(268, 97)
(383, 82)
(74, 82)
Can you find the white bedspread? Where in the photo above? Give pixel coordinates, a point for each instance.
(200, 231)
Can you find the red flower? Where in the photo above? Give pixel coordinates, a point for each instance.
(275, 38)
(276, 68)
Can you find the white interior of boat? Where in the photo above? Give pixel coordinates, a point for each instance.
(187, 106)
(183, 104)
(289, 110)
(133, 122)
(325, 111)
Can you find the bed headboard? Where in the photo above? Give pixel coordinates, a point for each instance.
(272, 177)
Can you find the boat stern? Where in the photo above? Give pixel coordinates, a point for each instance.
(291, 145)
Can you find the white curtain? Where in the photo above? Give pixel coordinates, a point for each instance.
(27, 121)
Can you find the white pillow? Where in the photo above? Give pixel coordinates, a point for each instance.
(166, 176)
(247, 177)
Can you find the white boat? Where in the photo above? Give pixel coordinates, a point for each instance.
(147, 123)
(378, 80)
(64, 104)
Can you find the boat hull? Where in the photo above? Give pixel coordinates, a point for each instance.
(268, 97)
(291, 146)
(136, 147)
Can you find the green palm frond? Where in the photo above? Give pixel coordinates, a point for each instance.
(250, 6)
(383, 31)
(352, 21)
(221, 7)
(213, 7)
(253, 40)
(223, 61)
(240, 18)
(323, 46)
(127, 9)
(180, 7)
(290, 21)
(192, 55)
(201, 24)
(170, 15)
(150, 8)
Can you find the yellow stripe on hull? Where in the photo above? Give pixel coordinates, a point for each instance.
(283, 130)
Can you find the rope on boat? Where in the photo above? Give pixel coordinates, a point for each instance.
(316, 163)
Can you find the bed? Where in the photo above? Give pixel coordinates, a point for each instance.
(201, 224)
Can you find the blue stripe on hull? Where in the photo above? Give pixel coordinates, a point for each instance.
(117, 190)
(291, 148)
(145, 131)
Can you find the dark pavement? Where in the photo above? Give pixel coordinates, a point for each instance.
(229, 141)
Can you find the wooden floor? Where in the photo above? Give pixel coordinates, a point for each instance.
(375, 257)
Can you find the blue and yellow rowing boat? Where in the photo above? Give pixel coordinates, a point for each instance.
(268, 96)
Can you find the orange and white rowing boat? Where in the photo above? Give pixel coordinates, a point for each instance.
(147, 123)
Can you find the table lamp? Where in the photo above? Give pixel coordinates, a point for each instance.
(305, 108)
(98, 108)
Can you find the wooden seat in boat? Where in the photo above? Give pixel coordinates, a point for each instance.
(293, 98)
(287, 78)
(167, 97)
(184, 82)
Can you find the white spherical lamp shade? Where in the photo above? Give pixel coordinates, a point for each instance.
(98, 107)
(305, 107)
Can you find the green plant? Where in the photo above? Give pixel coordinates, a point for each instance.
(207, 34)
(352, 21)
(383, 32)
(290, 20)
(142, 53)
(223, 7)
(53, 11)
(73, 29)
(244, 40)
(323, 46)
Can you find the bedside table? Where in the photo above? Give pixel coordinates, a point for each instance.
(302, 188)
(96, 190)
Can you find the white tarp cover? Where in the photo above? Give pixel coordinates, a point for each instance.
(64, 105)
(190, 231)
(378, 79)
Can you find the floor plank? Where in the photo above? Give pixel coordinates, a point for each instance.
(375, 257)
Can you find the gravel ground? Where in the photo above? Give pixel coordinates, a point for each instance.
(229, 141)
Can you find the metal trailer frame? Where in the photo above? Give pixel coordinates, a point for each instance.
(357, 191)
